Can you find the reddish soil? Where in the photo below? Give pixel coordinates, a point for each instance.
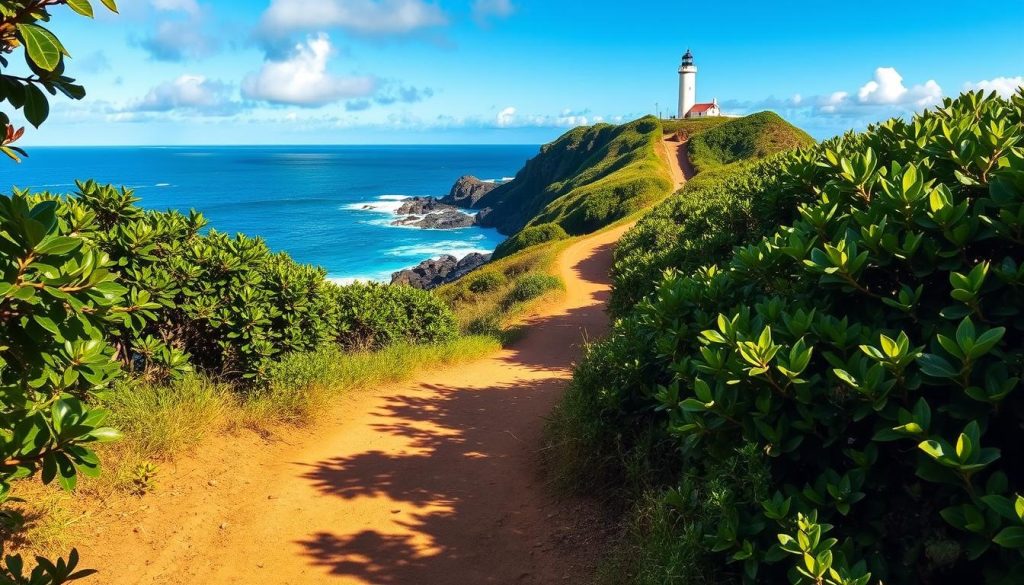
(678, 161)
(433, 481)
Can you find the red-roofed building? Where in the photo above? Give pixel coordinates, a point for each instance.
(688, 106)
(704, 110)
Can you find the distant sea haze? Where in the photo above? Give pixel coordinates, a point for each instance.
(330, 206)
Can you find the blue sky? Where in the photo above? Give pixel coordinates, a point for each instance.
(508, 71)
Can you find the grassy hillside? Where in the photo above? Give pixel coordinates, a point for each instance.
(822, 387)
(733, 195)
(743, 139)
(585, 180)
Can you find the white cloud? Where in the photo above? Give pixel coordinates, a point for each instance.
(484, 9)
(189, 6)
(1004, 86)
(371, 17)
(887, 89)
(302, 78)
(188, 92)
(506, 117)
(179, 40)
(510, 117)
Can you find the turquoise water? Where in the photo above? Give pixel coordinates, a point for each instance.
(329, 206)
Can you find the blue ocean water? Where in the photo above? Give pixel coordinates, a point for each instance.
(324, 205)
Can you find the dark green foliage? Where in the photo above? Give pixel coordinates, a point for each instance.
(588, 178)
(373, 316)
(57, 297)
(868, 354)
(226, 305)
(719, 208)
(530, 287)
(530, 236)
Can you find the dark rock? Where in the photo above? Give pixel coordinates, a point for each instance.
(422, 205)
(437, 271)
(429, 213)
(467, 191)
(438, 220)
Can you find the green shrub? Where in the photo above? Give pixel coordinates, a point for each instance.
(530, 287)
(870, 352)
(373, 316)
(531, 236)
(487, 281)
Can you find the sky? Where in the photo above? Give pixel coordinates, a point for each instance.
(167, 72)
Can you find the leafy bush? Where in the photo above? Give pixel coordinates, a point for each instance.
(530, 287)
(57, 296)
(487, 281)
(372, 316)
(530, 236)
(870, 353)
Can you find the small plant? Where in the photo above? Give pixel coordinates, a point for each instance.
(486, 282)
(144, 478)
(530, 287)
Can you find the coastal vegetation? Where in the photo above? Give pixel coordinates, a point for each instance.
(821, 385)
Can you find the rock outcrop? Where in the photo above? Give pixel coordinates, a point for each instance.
(430, 213)
(422, 205)
(467, 191)
(437, 271)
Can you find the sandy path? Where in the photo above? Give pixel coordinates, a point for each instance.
(678, 161)
(428, 482)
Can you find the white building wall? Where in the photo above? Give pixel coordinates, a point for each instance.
(687, 89)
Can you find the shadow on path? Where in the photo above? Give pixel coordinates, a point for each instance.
(462, 489)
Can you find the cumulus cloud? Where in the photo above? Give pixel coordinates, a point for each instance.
(483, 10)
(505, 117)
(179, 40)
(194, 93)
(887, 89)
(883, 96)
(302, 78)
(1004, 86)
(369, 17)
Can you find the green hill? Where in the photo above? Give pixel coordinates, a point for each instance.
(581, 182)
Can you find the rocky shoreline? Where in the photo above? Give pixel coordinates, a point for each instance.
(444, 213)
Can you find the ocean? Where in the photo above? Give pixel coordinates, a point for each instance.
(324, 205)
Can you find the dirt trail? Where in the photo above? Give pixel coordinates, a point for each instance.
(428, 482)
(678, 160)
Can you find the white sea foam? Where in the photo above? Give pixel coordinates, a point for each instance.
(383, 204)
(162, 185)
(458, 248)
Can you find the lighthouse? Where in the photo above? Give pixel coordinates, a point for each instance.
(687, 84)
(688, 106)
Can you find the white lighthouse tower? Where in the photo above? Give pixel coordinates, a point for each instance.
(687, 85)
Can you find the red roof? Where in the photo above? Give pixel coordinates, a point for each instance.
(701, 108)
